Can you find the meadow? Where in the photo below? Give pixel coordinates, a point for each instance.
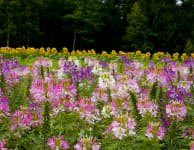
(83, 100)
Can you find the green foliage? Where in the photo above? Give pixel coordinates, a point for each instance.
(153, 91)
(3, 83)
(137, 32)
(17, 94)
(85, 19)
(46, 124)
(134, 103)
(42, 71)
(179, 76)
(189, 47)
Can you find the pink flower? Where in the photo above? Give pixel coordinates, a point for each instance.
(123, 125)
(86, 143)
(95, 147)
(78, 147)
(176, 110)
(155, 129)
(57, 143)
(145, 106)
(2, 143)
(192, 145)
(52, 142)
(64, 144)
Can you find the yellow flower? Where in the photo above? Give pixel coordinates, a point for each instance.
(93, 51)
(42, 50)
(114, 53)
(84, 52)
(104, 52)
(148, 54)
(184, 54)
(182, 57)
(192, 54)
(142, 55)
(23, 48)
(156, 55)
(32, 49)
(65, 50)
(48, 49)
(73, 52)
(176, 54)
(54, 50)
(138, 52)
(89, 52)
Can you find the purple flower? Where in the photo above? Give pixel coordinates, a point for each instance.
(152, 64)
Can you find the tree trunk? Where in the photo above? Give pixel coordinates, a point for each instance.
(95, 40)
(74, 40)
(7, 24)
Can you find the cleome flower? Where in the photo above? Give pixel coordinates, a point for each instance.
(176, 110)
(87, 143)
(122, 126)
(155, 130)
(57, 143)
(147, 107)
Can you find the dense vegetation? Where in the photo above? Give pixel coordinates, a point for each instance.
(82, 100)
(166, 25)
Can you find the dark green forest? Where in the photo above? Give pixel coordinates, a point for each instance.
(128, 25)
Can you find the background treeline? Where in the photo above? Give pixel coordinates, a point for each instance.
(147, 25)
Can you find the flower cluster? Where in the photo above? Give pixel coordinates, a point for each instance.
(88, 110)
(4, 107)
(57, 143)
(147, 107)
(176, 110)
(24, 119)
(87, 143)
(155, 130)
(122, 126)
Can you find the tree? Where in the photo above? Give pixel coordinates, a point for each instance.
(137, 31)
(85, 19)
(189, 47)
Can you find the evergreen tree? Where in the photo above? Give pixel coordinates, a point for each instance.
(137, 31)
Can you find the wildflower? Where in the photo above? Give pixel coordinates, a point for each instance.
(192, 145)
(2, 143)
(145, 106)
(176, 110)
(58, 143)
(123, 125)
(87, 143)
(155, 130)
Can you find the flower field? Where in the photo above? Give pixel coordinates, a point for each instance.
(82, 100)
